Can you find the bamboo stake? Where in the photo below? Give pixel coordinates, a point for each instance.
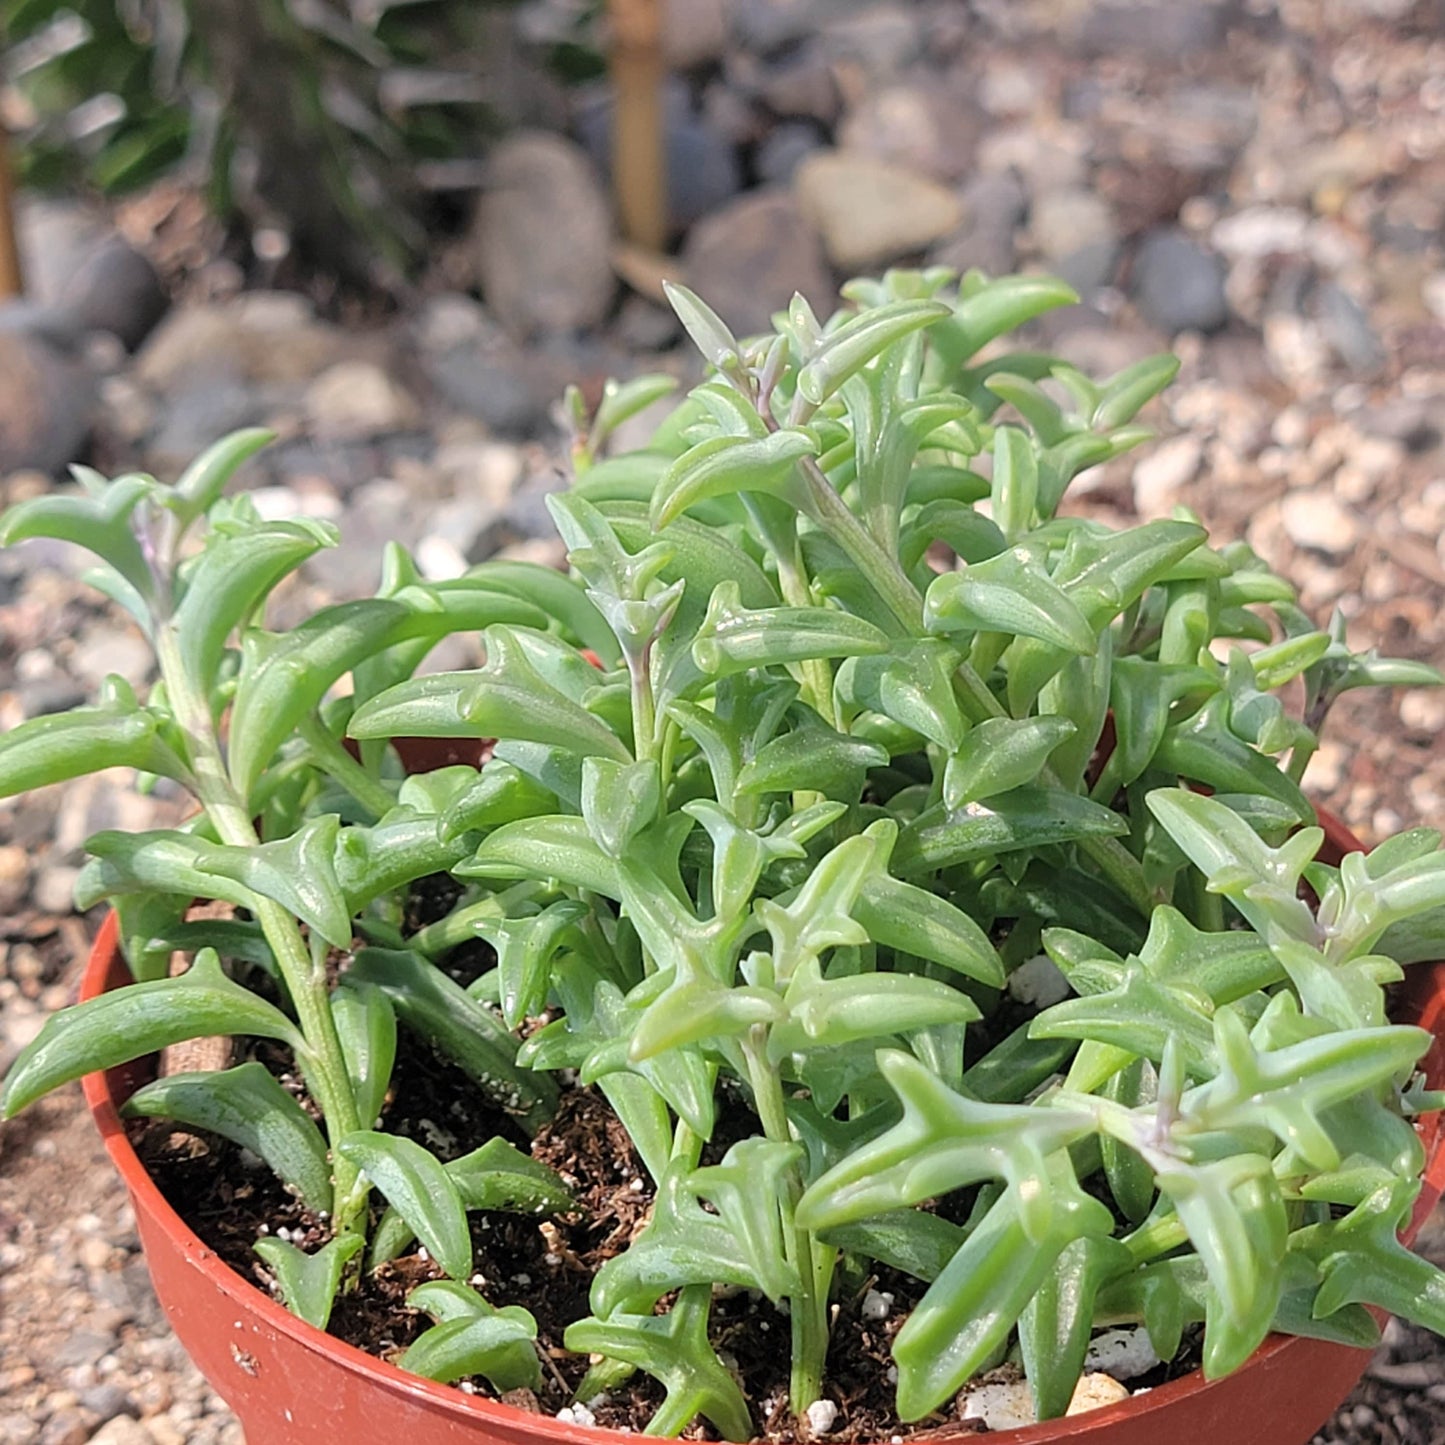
(11, 281)
(639, 176)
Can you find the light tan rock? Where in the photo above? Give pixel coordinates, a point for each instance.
(356, 399)
(1094, 1391)
(1315, 520)
(869, 211)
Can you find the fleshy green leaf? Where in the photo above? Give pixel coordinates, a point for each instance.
(969, 1309)
(1055, 1326)
(811, 758)
(830, 1013)
(674, 1349)
(420, 1190)
(525, 947)
(248, 1106)
(101, 524)
(366, 1027)
(918, 1243)
(718, 345)
(913, 685)
(619, 800)
(683, 1244)
(860, 340)
(298, 872)
(369, 862)
(1015, 479)
(724, 465)
(1128, 391)
(750, 1188)
(944, 1141)
(734, 638)
(995, 308)
(1140, 1015)
(132, 1022)
(236, 571)
(200, 485)
(913, 920)
(117, 732)
(506, 698)
(283, 678)
(472, 1338)
(553, 847)
(1027, 817)
(1236, 1220)
(1000, 754)
(1010, 595)
(309, 1282)
(496, 1176)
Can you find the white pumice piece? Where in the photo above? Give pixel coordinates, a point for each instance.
(877, 1305)
(1000, 1404)
(1038, 982)
(822, 1416)
(577, 1414)
(1124, 1354)
(1009, 1404)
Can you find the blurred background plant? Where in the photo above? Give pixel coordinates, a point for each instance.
(330, 127)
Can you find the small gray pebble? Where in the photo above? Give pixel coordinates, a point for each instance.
(84, 1347)
(1178, 284)
(108, 1401)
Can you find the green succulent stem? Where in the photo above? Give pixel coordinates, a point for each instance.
(808, 1310)
(645, 740)
(343, 769)
(881, 568)
(815, 674)
(325, 1069)
(1156, 1237)
(1299, 758)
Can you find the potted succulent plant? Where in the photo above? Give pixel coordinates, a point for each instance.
(887, 920)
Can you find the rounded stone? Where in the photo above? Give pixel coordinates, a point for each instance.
(541, 237)
(1178, 284)
(870, 211)
(749, 258)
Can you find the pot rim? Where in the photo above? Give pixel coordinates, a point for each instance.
(1426, 996)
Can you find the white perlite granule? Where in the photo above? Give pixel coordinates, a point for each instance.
(822, 1416)
(877, 1305)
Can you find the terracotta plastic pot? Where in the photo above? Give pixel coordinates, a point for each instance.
(291, 1384)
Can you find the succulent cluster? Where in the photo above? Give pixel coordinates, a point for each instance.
(835, 731)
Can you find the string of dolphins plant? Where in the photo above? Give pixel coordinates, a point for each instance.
(776, 812)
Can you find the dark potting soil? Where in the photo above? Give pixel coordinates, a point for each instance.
(230, 1199)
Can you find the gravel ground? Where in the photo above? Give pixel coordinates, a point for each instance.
(1300, 147)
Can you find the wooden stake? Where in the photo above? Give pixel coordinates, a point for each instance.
(639, 174)
(11, 282)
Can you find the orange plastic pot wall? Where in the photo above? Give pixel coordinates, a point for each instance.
(291, 1384)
